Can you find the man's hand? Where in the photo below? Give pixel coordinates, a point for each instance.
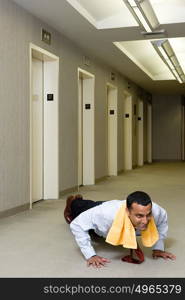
(97, 261)
(163, 254)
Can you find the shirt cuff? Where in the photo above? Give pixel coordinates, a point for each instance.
(88, 253)
(159, 245)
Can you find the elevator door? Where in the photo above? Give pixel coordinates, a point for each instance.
(140, 159)
(127, 132)
(37, 129)
(112, 130)
(80, 131)
(86, 150)
(44, 164)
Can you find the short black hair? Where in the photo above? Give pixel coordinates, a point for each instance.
(138, 197)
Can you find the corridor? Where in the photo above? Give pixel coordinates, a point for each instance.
(38, 242)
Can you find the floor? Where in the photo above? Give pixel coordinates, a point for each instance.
(38, 242)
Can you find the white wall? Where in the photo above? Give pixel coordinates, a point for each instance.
(166, 127)
(17, 29)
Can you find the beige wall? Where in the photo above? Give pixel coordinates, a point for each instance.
(17, 30)
(166, 127)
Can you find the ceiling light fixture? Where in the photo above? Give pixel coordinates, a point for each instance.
(143, 13)
(167, 54)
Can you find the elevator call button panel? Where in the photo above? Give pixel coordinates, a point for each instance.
(50, 97)
(87, 106)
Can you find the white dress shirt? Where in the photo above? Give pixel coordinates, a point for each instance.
(100, 219)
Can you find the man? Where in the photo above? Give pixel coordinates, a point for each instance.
(120, 222)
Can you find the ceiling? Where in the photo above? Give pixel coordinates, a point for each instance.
(97, 26)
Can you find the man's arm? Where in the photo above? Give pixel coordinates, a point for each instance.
(158, 248)
(80, 228)
(83, 239)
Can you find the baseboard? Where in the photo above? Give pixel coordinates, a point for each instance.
(167, 160)
(67, 191)
(75, 188)
(14, 211)
(124, 171)
(101, 179)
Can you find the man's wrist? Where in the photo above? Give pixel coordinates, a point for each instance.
(91, 257)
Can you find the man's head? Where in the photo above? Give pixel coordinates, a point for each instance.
(139, 209)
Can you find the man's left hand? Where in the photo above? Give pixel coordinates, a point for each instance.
(163, 254)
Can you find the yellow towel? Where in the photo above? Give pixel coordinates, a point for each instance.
(122, 232)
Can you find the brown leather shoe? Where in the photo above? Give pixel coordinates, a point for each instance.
(67, 210)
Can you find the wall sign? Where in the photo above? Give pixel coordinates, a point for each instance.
(50, 97)
(46, 36)
(87, 106)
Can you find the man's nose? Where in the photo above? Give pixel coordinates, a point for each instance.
(145, 220)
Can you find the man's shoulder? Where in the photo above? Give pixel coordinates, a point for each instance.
(109, 208)
(113, 202)
(157, 209)
(105, 210)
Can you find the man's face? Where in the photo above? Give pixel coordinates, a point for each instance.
(140, 215)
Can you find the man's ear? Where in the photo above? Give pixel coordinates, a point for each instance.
(127, 211)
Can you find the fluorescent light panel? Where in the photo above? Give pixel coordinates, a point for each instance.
(143, 13)
(132, 2)
(142, 19)
(144, 55)
(166, 52)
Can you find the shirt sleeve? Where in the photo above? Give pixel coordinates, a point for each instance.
(162, 226)
(80, 228)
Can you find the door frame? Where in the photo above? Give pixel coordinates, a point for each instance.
(140, 133)
(182, 129)
(43, 55)
(112, 135)
(149, 132)
(87, 162)
(127, 132)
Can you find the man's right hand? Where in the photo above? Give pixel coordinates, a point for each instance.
(97, 261)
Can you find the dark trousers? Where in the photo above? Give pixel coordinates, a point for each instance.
(80, 205)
